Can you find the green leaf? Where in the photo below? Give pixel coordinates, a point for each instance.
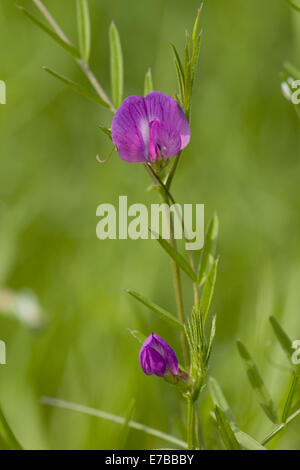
(140, 337)
(148, 85)
(293, 5)
(7, 434)
(106, 131)
(245, 441)
(67, 405)
(176, 256)
(283, 339)
(208, 290)
(225, 430)
(180, 72)
(196, 24)
(161, 312)
(84, 28)
(68, 47)
(125, 427)
(116, 65)
(78, 88)
(257, 383)
(208, 251)
(211, 338)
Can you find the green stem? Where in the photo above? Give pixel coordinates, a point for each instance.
(280, 427)
(291, 392)
(191, 423)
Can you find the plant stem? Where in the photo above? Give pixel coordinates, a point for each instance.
(280, 427)
(83, 65)
(292, 388)
(191, 423)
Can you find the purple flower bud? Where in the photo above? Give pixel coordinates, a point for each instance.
(157, 357)
(150, 128)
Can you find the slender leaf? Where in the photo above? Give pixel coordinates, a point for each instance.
(78, 88)
(116, 65)
(177, 257)
(208, 250)
(245, 441)
(125, 427)
(161, 312)
(225, 430)
(7, 434)
(68, 47)
(257, 383)
(179, 70)
(283, 338)
(148, 85)
(140, 337)
(196, 24)
(106, 131)
(208, 290)
(113, 418)
(211, 338)
(290, 397)
(84, 28)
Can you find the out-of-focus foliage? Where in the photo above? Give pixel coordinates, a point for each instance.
(243, 162)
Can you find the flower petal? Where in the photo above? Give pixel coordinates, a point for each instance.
(164, 140)
(164, 108)
(130, 130)
(152, 362)
(166, 351)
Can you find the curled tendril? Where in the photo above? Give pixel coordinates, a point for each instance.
(107, 158)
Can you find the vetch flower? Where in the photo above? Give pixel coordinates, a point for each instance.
(157, 357)
(150, 128)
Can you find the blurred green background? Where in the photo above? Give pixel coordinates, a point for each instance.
(243, 162)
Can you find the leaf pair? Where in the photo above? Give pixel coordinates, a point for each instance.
(186, 72)
(232, 436)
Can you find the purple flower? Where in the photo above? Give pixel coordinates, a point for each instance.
(146, 129)
(157, 357)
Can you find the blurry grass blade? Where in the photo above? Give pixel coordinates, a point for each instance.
(245, 441)
(208, 290)
(68, 47)
(280, 427)
(225, 430)
(116, 65)
(106, 131)
(209, 247)
(161, 312)
(114, 418)
(140, 337)
(211, 338)
(293, 5)
(177, 257)
(84, 28)
(257, 383)
(148, 85)
(78, 88)
(7, 434)
(125, 427)
(282, 338)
